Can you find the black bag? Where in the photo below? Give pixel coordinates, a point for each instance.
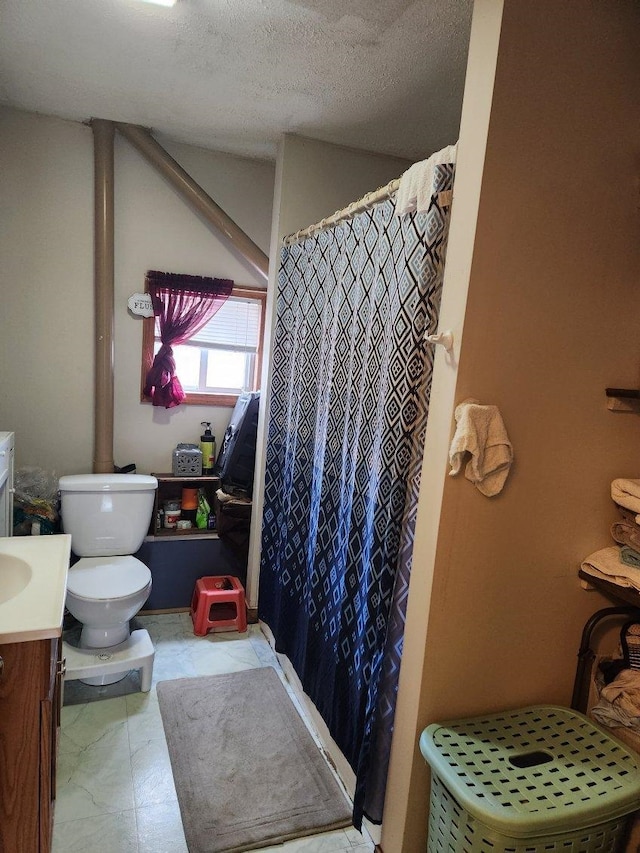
(236, 460)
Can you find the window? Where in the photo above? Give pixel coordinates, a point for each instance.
(224, 358)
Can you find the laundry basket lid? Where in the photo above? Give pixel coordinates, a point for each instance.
(528, 771)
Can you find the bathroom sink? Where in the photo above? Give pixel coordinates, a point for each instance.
(15, 574)
(33, 586)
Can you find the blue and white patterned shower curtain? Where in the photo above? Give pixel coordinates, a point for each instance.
(351, 378)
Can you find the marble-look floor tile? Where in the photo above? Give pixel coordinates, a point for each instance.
(170, 627)
(100, 786)
(263, 650)
(168, 666)
(152, 774)
(214, 657)
(144, 718)
(93, 782)
(98, 724)
(160, 829)
(115, 833)
(359, 839)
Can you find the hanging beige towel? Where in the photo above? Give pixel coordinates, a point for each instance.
(626, 493)
(416, 184)
(481, 433)
(607, 565)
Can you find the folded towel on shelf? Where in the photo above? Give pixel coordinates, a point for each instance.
(480, 432)
(629, 556)
(626, 531)
(416, 184)
(607, 565)
(619, 702)
(626, 493)
(628, 515)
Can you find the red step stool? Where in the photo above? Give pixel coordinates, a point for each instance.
(218, 605)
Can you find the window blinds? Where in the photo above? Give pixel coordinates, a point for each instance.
(235, 326)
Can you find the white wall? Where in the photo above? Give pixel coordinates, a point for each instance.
(46, 318)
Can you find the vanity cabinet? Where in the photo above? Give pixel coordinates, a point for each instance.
(30, 699)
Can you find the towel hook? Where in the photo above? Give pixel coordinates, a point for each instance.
(445, 339)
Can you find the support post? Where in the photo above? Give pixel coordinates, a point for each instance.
(103, 139)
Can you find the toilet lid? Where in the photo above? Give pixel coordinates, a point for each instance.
(107, 577)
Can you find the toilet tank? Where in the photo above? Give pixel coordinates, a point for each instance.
(106, 514)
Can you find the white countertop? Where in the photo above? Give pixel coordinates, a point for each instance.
(33, 571)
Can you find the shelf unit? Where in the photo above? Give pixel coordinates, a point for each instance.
(623, 399)
(170, 488)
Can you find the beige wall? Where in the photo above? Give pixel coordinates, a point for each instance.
(46, 247)
(550, 321)
(318, 178)
(46, 321)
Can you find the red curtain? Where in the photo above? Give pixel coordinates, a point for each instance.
(183, 304)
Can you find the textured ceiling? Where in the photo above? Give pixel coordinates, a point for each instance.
(233, 75)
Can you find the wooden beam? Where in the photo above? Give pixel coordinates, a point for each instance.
(195, 196)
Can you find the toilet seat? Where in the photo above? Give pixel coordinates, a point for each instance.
(96, 578)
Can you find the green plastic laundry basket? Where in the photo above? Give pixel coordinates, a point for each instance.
(542, 779)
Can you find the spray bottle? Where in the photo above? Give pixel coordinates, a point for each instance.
(208, 448)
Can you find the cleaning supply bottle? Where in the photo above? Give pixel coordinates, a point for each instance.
(208, 448)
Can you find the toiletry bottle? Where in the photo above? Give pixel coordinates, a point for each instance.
(208, 448)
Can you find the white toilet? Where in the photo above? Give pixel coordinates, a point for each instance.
(108, 517)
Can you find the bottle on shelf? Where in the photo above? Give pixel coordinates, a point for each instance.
(208, 448)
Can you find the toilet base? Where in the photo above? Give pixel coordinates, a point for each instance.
(101, 638)
(91, 666)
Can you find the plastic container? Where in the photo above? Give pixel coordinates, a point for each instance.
(189, 498)
(172, 513)
(186, 460)
(542, 779)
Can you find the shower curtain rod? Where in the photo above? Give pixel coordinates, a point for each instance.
(445, 155)
(367, 201)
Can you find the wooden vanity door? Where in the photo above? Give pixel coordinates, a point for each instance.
(26, 745)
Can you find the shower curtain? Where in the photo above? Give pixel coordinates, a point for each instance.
(351, 377)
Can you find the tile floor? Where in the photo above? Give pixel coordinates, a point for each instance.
(115, 791)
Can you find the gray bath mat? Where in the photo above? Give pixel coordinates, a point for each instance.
(247, 772)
